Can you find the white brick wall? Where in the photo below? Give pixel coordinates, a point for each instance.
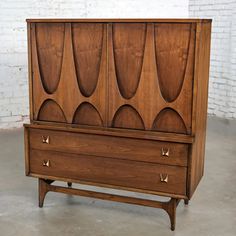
(222, 88)
(13, 47)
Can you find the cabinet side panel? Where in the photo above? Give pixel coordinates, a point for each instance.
(30, 70)
(202, 63)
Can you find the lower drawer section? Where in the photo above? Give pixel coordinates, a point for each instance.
(167, 153)
(122, 173)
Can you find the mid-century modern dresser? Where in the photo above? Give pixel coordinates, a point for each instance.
(118, 103)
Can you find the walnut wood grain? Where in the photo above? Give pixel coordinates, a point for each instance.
(51, 111)
(118, 103)
(128, 46)
(201, 74)
(89, 183)
(136, 134)
(68, 95)
(50, 43)
(108, 20)
(30, 73)
(111, 147)
(111, 171)
(87, 114)
(87, 41)
(127, 117)
(148, 100)
(168, 120)
(172, 49)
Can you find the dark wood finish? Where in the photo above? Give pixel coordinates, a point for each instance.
(118, 103)
(186, 201)
(169, 206)
(111, 147)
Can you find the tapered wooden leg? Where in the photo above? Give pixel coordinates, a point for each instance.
(170, 208)
(43, 189)
(186, 201)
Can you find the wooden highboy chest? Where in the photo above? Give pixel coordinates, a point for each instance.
(118, 103)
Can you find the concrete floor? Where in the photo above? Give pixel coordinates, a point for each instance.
(212, 210)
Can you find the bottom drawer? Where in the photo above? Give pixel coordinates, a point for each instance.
(122, 173)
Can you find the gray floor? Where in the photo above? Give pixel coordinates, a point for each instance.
(212, 210)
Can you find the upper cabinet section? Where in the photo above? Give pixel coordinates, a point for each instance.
(69, 64)
(131, 74)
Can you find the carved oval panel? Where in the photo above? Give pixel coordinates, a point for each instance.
(128, 47)
(87, 41)
(51, 111)
(168, 120)
(127, 117)
(50, 44)
(172, 48)
(87, 114)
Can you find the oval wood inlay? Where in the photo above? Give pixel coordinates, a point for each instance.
(168, 120)
(128, 46)
(172, 46)
(51, 111)
(87, 41)
(87, 114)
(127, 117)
(50, 43)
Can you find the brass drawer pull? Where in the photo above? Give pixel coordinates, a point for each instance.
(46, 163)
(165, 153)
(45, 139)
(164, 179)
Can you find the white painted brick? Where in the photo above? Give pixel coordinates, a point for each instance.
(222, 94)
(11, 119)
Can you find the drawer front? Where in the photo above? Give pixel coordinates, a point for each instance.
(110, 146)
(123, 173)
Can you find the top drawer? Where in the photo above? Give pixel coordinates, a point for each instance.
(109, 146)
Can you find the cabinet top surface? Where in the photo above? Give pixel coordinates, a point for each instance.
(179, 20)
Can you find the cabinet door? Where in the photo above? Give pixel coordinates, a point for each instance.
(151, 76)
(69, 72)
